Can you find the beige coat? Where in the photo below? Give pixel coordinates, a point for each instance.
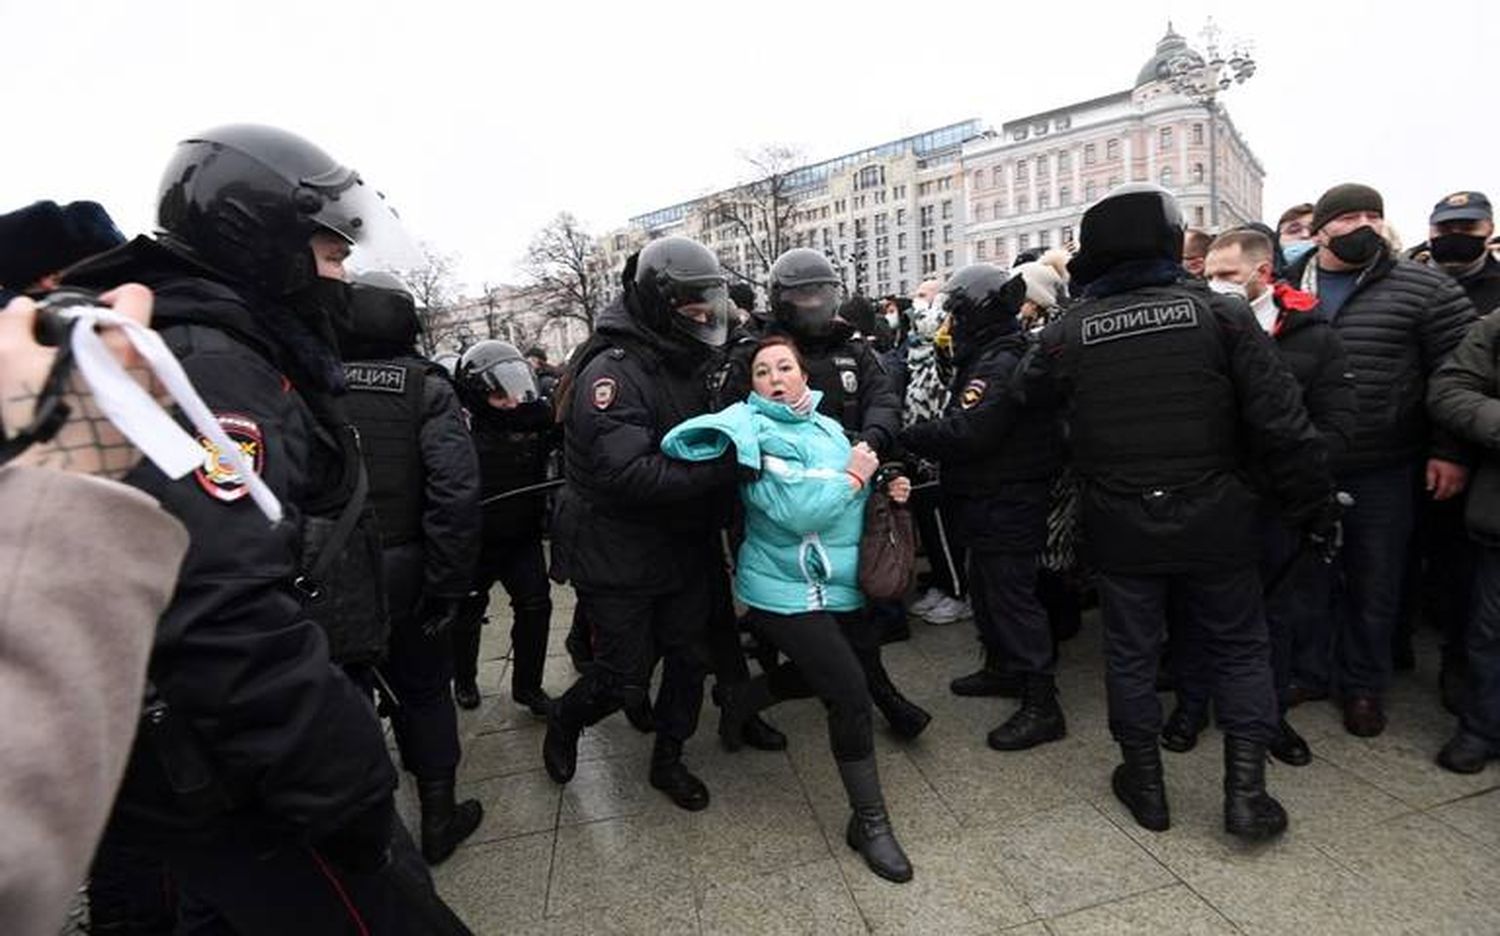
(86, 568)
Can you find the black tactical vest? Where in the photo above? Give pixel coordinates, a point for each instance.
(836, 373)
(1153, 403)
(385, 403)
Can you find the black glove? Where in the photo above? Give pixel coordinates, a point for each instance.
(363, 845)
(437, 614)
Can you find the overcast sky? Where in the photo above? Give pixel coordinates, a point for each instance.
(483, 121)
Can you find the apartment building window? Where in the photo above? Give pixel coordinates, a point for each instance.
(859, 202)
(1090, 154)
(901, 266)
(1067, 236)
(945, 183)
(999, 247)
(882, 247)
(1112, 150)
(827, 237)
(880, 221)
(1198, 215)
(1023, 204)
(1166, 176)
(1044, 239)
(844, 229)
(1043, 200)
(1090, 191)
(901, 240)
(926, 216)
(978, 179)
(947, 258)
(929, 262)
(927, 240)
(979, 212)
(1197, 134)
(947, 233)
(880, 197)
(1023, 242)
(981, 251)
(1164, 139)
(904, 286)
(1064, 160)
(1023, 174)
(947, 210)
(898, 191)
(870, 177)
(998, 207)
(1198, 173)
(1041, 167)
(999, 176)
(924, 189)
(1114, 181)
(840, 206)
(883, 269)
(900, 217)
(1064, 195)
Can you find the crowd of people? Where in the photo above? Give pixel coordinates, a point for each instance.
(1267, 453)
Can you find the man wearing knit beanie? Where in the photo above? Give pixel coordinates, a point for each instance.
(1397, 320)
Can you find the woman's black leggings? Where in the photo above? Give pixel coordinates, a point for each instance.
(821, 663)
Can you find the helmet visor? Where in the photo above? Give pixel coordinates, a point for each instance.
(511, 379)
(809, 309)
(701, 311)
(352, 209)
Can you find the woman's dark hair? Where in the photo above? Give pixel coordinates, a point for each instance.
(774, 341)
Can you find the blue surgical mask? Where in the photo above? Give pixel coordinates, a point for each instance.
(1296, 250)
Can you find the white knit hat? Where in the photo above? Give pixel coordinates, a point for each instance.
(1046, 278)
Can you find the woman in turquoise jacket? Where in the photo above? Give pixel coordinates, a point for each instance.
(798, 569)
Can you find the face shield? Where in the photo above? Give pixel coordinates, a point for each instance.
(511, 379)
(701, 311)
(361, 216)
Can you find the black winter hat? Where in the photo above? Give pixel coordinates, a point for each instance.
(1342, 199)
(45, 237)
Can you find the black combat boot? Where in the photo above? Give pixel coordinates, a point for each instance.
(1250, 812)
(1037, 721)
(739, 721)
(669, 775)
(906, 718)
(638, 712)
(1289, 747)
(991, 679)
(1180, 733)
(444, 822)
(1138, 783)
(466, 694)
(528, 654)
(869, 831)
(565, 722)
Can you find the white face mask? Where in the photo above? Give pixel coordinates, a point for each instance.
(1227, 288)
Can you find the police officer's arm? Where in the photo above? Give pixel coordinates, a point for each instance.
(627, 461)
(234, 652)
(975, 426)
(451, 518)
(1332, 402)
(1275, 421)
(1449, 316)
(1461, 395)
(881, 419)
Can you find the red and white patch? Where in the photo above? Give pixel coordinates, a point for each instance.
(217, 475)
(973, 393)
(603, 393)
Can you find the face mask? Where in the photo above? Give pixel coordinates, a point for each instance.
(1227, 288)
(893, 320)
(1357, 247)
(1297, 250)
(1456, 248)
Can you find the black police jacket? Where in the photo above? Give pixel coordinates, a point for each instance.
(424, 476)
(1464, 398)
(513, 446)
(295, 747)
(628, 517)
(1400, 322)
(1172, 393)
(857, 390)
(997, 450)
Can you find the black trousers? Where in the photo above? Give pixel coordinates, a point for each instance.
(1008, 613)
(1481, 714)
(419, 669)
(628, 633)
(723, 635)
(944, 554)
(821, 663)
(519, 566)
(1219, 612)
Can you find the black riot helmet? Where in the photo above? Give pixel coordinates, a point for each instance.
(804, 292)
(492, 366)
(382, 320)
(982, 300)
(1137, 221)
(673, 275)
(244, 199)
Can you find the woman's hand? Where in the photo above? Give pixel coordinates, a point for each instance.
(899, 489)
(862, 463)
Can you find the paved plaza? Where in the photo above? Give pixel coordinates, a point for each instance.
(1033, 843)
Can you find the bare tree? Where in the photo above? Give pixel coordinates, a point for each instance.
(566, 270)
(762, 213)
(434, 287)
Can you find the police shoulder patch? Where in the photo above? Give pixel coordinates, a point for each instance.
(1137, 320)
(603, 393)
(972, 394)
(378, 378)
(217, 475)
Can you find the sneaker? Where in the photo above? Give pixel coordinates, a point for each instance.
(926, 603)
(948, 611)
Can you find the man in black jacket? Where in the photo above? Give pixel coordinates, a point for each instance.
(998, 457)
(857, 391)
(261, 778)
(1169, 389)
(634, 530)
(1240, 263)
(424, 484)
(1397, 320)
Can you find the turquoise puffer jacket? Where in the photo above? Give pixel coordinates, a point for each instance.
(803, 518)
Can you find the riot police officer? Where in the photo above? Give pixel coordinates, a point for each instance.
(424, 484)
(513, 433)
(804, 300)
(634, 530)
(998, 457)
(1171, 390)
(260, 776)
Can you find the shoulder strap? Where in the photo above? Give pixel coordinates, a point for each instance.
(308, 581)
